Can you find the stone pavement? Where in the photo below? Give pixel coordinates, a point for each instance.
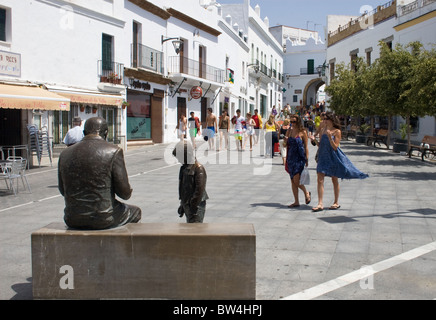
(386, 222)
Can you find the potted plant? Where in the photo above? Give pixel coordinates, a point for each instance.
(114, 78)
(94, 109)
(125, 104)
(401, 145)
(361, 133)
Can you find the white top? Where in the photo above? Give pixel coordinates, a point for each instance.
(74, 135)
(238, 124)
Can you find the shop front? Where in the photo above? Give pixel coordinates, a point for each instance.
(144, 107)
(87, 104)
(138, 116)
(26, 104)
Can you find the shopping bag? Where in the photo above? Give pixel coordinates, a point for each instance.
(305, 177)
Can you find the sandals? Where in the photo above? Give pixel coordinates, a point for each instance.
(334, 207)
(294, 205)
(317, 209)
(308, 199)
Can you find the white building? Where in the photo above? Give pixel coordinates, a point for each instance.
(296, 36)
(304, 73)
(57, 45)
(263, 70)
(116, 59)
(392, 23)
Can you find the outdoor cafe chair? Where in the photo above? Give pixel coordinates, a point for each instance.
(15, 168)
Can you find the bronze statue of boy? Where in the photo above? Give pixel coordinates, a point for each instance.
(192, 184)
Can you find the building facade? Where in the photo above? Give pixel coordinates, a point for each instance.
(394, 22)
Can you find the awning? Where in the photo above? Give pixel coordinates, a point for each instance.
(31, 97)
(91, 98)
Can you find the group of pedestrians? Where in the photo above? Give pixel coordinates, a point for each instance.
(245, 129)
(293, 137)
(331, 161)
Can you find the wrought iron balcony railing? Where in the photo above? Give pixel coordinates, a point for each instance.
(110, 72)
(195, 68)
(146, 58)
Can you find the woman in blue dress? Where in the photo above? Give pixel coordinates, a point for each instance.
(332, 162)
(297, 157)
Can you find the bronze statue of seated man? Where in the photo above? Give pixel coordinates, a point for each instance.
(90, 174)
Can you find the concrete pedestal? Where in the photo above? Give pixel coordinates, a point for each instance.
(145, 261)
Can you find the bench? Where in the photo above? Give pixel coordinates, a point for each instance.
(380, 136)
(349, 133)
(426, 148)
(145, 261)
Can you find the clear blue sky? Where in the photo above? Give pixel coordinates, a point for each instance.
(297, 13)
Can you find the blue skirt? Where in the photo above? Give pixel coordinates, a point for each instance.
(335, 163)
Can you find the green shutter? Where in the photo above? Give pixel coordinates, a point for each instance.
(2, 25)
(106, 54)
(310, 66)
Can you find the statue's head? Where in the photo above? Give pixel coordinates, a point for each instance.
(96, 126)
(184, 152)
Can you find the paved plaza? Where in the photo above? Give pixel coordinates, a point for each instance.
(381, 243)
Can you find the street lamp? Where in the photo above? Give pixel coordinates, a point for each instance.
(319, 69)
(176, 43)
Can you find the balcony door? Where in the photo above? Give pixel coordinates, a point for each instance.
(202, 62)
(136, 44)
(184, 62)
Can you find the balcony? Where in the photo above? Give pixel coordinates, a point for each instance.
(110, 72)
(182, 65)
(146, 58)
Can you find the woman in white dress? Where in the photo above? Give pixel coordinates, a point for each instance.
(181, 127)
(249, 123)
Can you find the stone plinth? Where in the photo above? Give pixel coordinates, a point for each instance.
(145, 261)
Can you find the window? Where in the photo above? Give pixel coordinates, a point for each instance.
(106, 54)
(332, 71)
(295, 98)
(109, 115)
(414, 123)
(368, 56)
(2, 24)
(136, 41)
(353, 62)
(138, 116)
(310, 66)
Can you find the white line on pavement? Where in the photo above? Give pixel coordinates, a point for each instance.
(361, 274)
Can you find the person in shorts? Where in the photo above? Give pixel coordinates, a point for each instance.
(239, 131)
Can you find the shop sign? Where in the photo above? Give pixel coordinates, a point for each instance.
(10, 64)
(136, 84)
(196, 92)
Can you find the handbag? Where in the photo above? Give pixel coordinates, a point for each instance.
(305, 177)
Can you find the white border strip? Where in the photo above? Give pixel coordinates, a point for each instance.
(361, 274)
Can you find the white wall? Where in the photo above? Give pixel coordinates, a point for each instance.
(60, 46)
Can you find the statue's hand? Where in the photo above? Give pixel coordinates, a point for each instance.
(181, 211)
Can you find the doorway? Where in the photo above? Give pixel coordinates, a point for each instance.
(181, 108)
(10, 127)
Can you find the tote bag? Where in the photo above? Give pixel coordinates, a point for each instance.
(305, 177)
